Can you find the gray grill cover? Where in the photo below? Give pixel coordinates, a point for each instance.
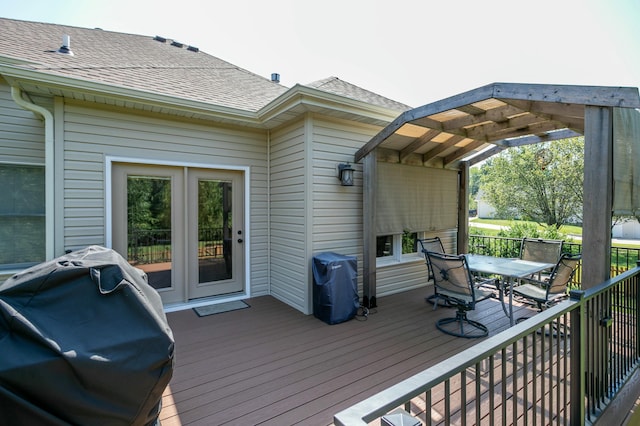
(83, 340)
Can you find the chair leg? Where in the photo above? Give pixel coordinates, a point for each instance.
(474, 329)
(438, 301)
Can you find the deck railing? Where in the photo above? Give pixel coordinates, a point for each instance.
(529, 374)
(154, 245)
(622, 258)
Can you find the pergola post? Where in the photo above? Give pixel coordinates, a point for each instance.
(598, 198)
(369, 229)
(463, 208)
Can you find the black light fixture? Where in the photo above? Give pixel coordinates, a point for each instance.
(345, 174)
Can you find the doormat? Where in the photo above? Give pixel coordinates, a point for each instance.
(219, 308)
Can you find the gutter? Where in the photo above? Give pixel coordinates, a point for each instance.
(16, 94)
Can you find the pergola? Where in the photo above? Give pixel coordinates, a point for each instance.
(459, 131)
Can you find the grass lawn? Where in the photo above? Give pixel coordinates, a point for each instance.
(565, 229)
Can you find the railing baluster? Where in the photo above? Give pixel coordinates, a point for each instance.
(535, 377)
(447, 402)
(478, 395)
(514, 383)
(503, 379)
(525, 380)
(492, 390)
(427, 410)
(463, 397)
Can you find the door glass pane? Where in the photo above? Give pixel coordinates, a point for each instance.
(214, 230)
(149, 227)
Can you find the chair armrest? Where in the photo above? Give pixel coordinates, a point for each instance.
(485, 282)
(540, 283)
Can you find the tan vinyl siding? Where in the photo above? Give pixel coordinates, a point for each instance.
(400, 277)
(21, 132)
(337, 209)
(91, 134)
(289, 264)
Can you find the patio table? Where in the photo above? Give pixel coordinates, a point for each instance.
(509, 268)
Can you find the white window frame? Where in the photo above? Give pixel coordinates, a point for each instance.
(397, 256)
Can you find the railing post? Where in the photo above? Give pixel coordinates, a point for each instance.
(636, 292)
(577, 363)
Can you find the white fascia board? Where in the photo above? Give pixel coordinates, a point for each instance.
(300, 94)
(50, 81)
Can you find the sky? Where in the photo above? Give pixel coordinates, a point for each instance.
(412, 51)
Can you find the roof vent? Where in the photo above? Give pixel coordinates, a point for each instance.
(160, 39)
(177, 44)
(275, 77)
(65, 49)
(193, 49)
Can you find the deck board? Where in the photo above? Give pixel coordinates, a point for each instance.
(270, 364)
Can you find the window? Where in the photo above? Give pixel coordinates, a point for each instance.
(396, 246)
(22, 227)
(409, 242)
(384, 246)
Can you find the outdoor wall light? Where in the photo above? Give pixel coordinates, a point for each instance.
(345, 174)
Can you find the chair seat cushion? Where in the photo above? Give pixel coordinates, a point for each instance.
(480, 294)
(531, 291)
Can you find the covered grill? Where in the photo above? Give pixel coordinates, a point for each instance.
(84, 341)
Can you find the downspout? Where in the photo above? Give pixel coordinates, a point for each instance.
(268, 211)
(16, 94)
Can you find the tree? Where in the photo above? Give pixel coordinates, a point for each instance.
(541, 182)
(475, 173)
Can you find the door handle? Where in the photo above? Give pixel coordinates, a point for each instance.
(240, 240)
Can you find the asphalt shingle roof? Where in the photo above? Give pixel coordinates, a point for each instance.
(136, 62)
(343, 88)
(150, 64)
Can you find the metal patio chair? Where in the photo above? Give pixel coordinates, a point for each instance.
(540, 250)
(433, 244)
(548, 292)
(454, 283)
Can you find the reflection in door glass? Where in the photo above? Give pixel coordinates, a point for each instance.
(214, 231)
(149, 227)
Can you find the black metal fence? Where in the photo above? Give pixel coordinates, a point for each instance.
(622, 258)
(154, 245)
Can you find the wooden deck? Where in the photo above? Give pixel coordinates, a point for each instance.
(270, 364)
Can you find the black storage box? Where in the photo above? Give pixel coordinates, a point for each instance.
(83, 340)
(335, 287)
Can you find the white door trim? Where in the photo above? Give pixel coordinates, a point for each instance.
(108, 167)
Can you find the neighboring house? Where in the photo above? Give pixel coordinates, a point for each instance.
(88, 123)
(628, 229)
(485, 209)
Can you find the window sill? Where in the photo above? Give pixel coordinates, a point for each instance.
(389, 262)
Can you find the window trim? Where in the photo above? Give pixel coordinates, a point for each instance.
(398, 257)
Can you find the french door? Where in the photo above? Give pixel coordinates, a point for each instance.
(182, 226)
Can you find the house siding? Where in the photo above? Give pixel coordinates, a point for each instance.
(91, 134)
(337, 218)
(21, 135)
(21, 132)
(288, 216)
